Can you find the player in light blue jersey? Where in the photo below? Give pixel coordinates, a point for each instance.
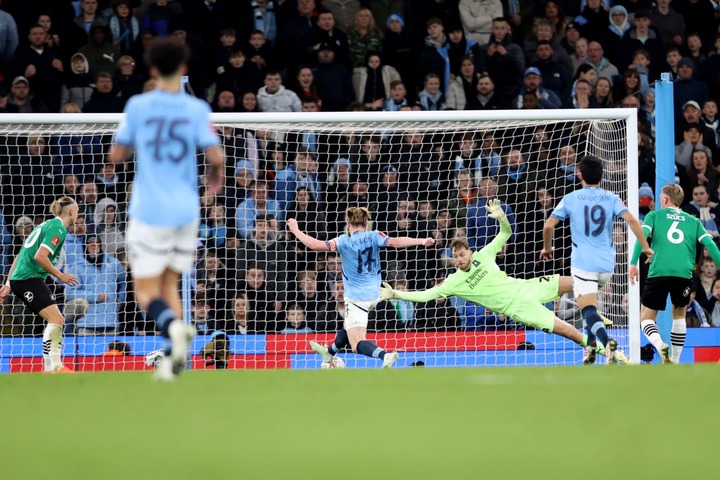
(165, 127)
(360, 253)
(591, 211)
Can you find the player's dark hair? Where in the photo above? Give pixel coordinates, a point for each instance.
(459, 244)
(57, 207)
(168, 56)
(358, 216)
(675, 192)
(591, 169)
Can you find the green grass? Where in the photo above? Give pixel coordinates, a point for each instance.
(520, 423)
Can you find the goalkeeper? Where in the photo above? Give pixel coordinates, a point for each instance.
(479, 280)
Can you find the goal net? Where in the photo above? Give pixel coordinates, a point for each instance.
(255, 294)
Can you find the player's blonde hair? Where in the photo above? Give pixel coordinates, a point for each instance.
(358, 216)
(675, 192)
(60, 205)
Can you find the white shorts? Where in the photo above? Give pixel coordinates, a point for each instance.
(585, 283)
(356, 313)
(153, 249)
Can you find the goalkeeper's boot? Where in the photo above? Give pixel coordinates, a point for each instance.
(181, 334)
(590, 354)
(321, 350)
(611, 352)
(621, 358)
(390, 358)
(665, 353)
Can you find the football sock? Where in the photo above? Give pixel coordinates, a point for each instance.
(677, 337)
(594, 324)
(652, 333)
(52, 347)
(341, 341)
(369, 349)
(163, 315)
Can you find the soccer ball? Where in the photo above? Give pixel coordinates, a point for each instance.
(337, 362)
(152, 359)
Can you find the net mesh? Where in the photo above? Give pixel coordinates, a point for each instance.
(264, 290)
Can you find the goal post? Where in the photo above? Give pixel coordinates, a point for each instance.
(421, 173)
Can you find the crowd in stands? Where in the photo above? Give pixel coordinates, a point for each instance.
(337, 55)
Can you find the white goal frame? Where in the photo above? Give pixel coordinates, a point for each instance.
(628, 115)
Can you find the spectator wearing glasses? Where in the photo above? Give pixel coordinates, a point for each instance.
(127, 83)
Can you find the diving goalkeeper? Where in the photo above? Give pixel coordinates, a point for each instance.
(479, 280)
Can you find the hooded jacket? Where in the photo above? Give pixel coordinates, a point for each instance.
(283, 100)
(111, 238)
(78, 85)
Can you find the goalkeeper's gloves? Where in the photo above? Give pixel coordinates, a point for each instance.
(387, 292)
(494, 209)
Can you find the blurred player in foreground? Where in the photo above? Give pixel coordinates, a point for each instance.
(164, 127)
(674, 235)
(479, 280)
(37, 259)
(591, 211)
(360, 254)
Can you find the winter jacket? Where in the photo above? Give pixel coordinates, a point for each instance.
(505, 70)
(78, 85)
(360, 76)
(477, 16)
(111, 237)
(281, 101)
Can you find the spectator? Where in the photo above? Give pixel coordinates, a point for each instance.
(581, 96)
(477, 17)
(579, 55)
(372, 83)
(398, 49)
(21, 100)
(339, 181)
(712, 303)
(707, 275)
(504, 60)
(262, 300)
(225, 102)
(88, 15)
(669, 23)
(555, 77)
(705, 210)
(239, 76)
(302, 173)
(516, 175)
(437, 316)
(691, 114)
(100, 52)
(434, 57)
(214, 230)
(333, 80)
(8, 39)
(364, 37)
(310, 300)
(126, 81)
(642, 35)
(486, 97)
(603, 93)
(74, 246)
(556, 16)
(213, 282)
(52, 39)
(264, 19)
(107, 227)
(199, 65)
(257, 204)
(532, 82)
(619, 24)
(546, 32)
(102, 283)
(696, 315)
(273, 97)
(260, 52)
(398, 97)
(562, 178)
(710, 118)
(463, 87)
(242, 322)
(466, 195)
(459, 48)
(202, 315)
(78, 85)
(695, 51)
(481, 229)
(249, 103)
(124, 27)
(24, 225)
(692, 142)
(431, 98)
(109, 181)
(686, 88)
(701, 172)
(158, 16)
(325, 33)
(295, 322)
(265, 247)
(42, 66)
(699, 17)
(104, 99)
(602, 65)
(593, 20)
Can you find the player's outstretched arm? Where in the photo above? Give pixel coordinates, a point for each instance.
(388, 293)
(404, 242)
(305, 239)
(637, 230)
(494, 208)
(547, 234)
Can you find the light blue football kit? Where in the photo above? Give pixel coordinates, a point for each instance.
(360, 254)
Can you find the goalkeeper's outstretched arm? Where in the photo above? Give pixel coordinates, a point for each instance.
(310, 242)
(494, 208)
(387, 293)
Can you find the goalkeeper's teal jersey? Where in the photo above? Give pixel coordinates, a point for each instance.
(484, 284)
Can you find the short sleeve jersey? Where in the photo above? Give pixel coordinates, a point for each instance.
(50, 235)
(591, 211)
(675, 235)
(360, 254)
(166, 129)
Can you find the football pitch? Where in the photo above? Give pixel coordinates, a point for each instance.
(517, 423)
